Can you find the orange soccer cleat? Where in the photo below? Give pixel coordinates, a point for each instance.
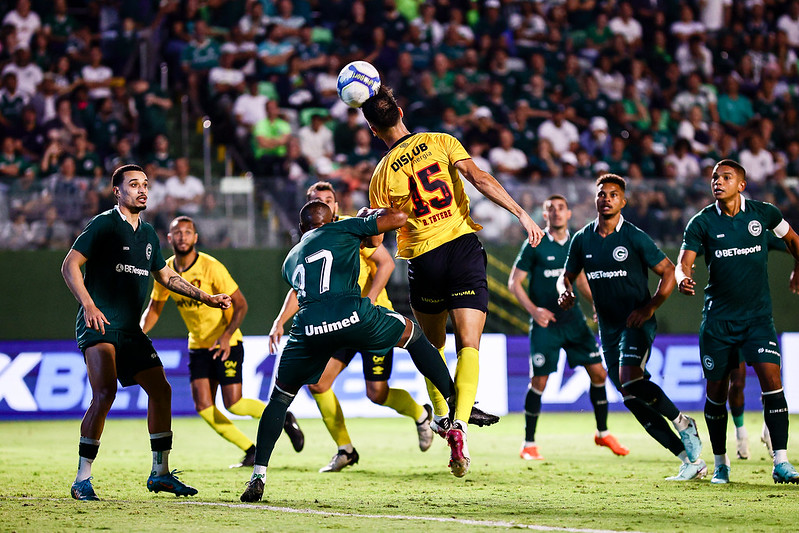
(610, 441)
(530, 453)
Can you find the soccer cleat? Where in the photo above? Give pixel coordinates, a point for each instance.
(169, 483)
(721, 475)
(292, 429)
(690, 439)
(83, 490)
(248, 460)
(478, 417)
(424, 431)
(785, 473)
(765, 438)
(341, 460)
(609, 441)
(441, 426)
(689, 471)
(459, 452)
(530, 453)
(254, 491)
(742, 440)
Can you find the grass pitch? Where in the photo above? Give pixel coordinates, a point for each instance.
(395, 487)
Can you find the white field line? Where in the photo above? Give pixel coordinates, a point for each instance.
(485, 523)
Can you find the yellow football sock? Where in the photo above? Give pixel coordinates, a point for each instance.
(440, 407)
(248, 407)
(225, 427)
(333, 417)
(404, 404)
(466, 375)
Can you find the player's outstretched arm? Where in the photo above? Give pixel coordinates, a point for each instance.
(683, 274)
(565, 286)
(289, 309)
(70, 270)
(384, 264)
(240, 307)
(172, 281)
(388, 219)
(664, 269)
(494, 191)
(541, 315)
(151, 314)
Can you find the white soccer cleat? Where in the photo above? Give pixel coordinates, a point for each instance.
(689, 471)
(424, 430)
(765, 438)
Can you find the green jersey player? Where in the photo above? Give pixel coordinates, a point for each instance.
(737, 323)
(553, 328)
(119, 251)
(323, 268)
(616, 257)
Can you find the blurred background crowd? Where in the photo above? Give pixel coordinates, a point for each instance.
(544, 94)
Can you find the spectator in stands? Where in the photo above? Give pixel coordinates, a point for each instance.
(316, 140)
(696, 131)
(26, 194)
(66, 191)
(51, 233)
(123, 154)
(26, 22)
(162, 160)
(152, 106)
(274, 51)
(65, 78)
(29, 74)
(491, 23)
(249, 108)
(508, 162)
(11, 103)
(32, 136)
(45, 99)
(610, 80)
(106, 130)
(253, 24)
(294, 165)
(96, 75)
(626, 25)
(270, 137)
(695, 94)
(287, 19)
(197, 59)
(11, 162)
(16, 233)
(344, 132)
(687, 26)
(58, 26)
(562, 134)
(87, 162)
(686, 166)
(735, 109)
(618, 159)
(363, 152)
(758, 162)
(789, 23)
(694, 56)
(185, 190)
(482, 128)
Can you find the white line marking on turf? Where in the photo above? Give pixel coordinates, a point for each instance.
(486, 523)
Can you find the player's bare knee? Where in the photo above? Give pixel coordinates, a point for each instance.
(539, 383)
(103, 398)
(377, 392)
(318, 388)
(597, 374)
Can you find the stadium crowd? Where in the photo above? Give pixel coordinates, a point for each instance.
(546, 95)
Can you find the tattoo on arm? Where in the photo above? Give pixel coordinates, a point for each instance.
(179, 285)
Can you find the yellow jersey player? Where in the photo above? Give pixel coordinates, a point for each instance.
(216, 350)
(376, 266)
(446, 262)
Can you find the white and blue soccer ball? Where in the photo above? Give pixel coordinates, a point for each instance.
(357, 82)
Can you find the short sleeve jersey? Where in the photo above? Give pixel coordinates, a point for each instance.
(736, 255)
(544, 264)
(118, 266)
(205, 324)
(418, 176)
(617, 267)
(325, 263)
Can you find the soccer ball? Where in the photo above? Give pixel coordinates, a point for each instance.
(357, 82)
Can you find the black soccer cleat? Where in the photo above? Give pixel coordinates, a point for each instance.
(254, 491)
(478, 417)
(248, 460)
(169, 483)
(292, 429)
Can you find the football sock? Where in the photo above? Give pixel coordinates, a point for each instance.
(271, 425)
(780, 456)
(681, 423)
(160, 444)
(404, 404)
(653, 395)
(737, 412)
(333, 417)
(716, 419)
(258, 471)
(682, 456)
(532, 409)
(655, 425)
(87, 453)
(599, 399)
(467, 373)
(440, 406)
(248, 407)
(721, 460)
(775, 413)
(431, 364)
(222, 425)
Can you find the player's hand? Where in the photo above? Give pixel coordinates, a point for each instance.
(222, 301)
(639, 316)
(687, 286)
(222, 346)
(95, 319)
(543, 316)
(534, 233)
(566, 300)
(274, 338)
(363, 212)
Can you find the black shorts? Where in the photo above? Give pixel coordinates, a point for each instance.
(451, 276)
(203, 365)
(134, 352)
(375, 367)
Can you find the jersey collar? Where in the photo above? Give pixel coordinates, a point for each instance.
(400, 141)
(743, 205)
(552, 239)
(618, 226)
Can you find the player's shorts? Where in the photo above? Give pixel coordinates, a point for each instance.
(451, 276)
(134, 351)
(322, 329)
(574, 336)
(723, 344)
(375, 367)
(203, 365)
(623, 346)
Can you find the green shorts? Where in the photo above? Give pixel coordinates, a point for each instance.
(321, 329)
(134, 351)
(623, 346)
(575, 337)
(723, 344)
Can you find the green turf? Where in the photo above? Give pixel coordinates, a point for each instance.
(579, 485)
